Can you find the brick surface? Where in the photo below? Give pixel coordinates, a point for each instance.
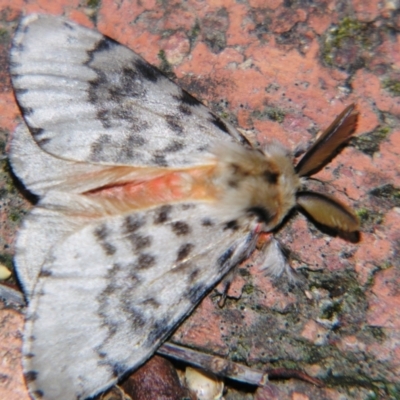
(281, 70)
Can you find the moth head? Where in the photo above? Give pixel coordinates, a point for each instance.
(265, 183)
(255, 182)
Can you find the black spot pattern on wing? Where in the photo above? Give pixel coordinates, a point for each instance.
(38, 394)
(226, 256)
(160, 160)
(30, 376)
(120, 278)
(174, 123)
(26, 111)
(137, 318)
(196, 292)
(180, 228)
(186, 206)
(115, 368)
(133, 222)
(69, 26)
(187, 99)
(36, 131)
(135, 140)
(118, 369)
(115, 94)
(115, 306)
(140, 110)
(207, 222)
(146, 261)
(25, 28)
(109, 93)
(101, 234)
(232, 225)
(174, 146)
(139, 242)
(151, 302)
(43, 142)
(17, 92)
(194, 276)
(162, 214)
(106, 44)
(98, 147)
(45, 273)
(184, 251)
(159, 331)
(219, 123)
(185, 110)
(148, 71)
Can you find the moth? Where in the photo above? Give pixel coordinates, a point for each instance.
(146, 200)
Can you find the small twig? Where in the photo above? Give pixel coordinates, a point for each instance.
(229, 369)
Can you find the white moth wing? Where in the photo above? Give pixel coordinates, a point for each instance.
(61, 209)
(55, 217)
(42, 172)
(109, 293)
(87, 98)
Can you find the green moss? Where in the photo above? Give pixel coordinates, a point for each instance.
(15, 216)
(165, 66)
(7, 260)
(371, 334)
(248, 289)
(393, 391)
(392, 86)
(329, 311)
(347, 28)
(93, 3)
(9, 187)
(195, 31)
(378, 333)
(372, 396)
(388, 192)
(363, 214)
(276, 115)
(349, 32)
(272, 113)
(370, 142)
(162, 57)
(2, 147)
(4, 35)
(369, 217)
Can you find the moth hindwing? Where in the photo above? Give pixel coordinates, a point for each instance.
(147, 200)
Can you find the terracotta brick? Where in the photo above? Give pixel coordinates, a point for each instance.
(260, 58)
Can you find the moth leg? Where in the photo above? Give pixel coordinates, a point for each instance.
(226, 283)
(284, 373)
(273, 258)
